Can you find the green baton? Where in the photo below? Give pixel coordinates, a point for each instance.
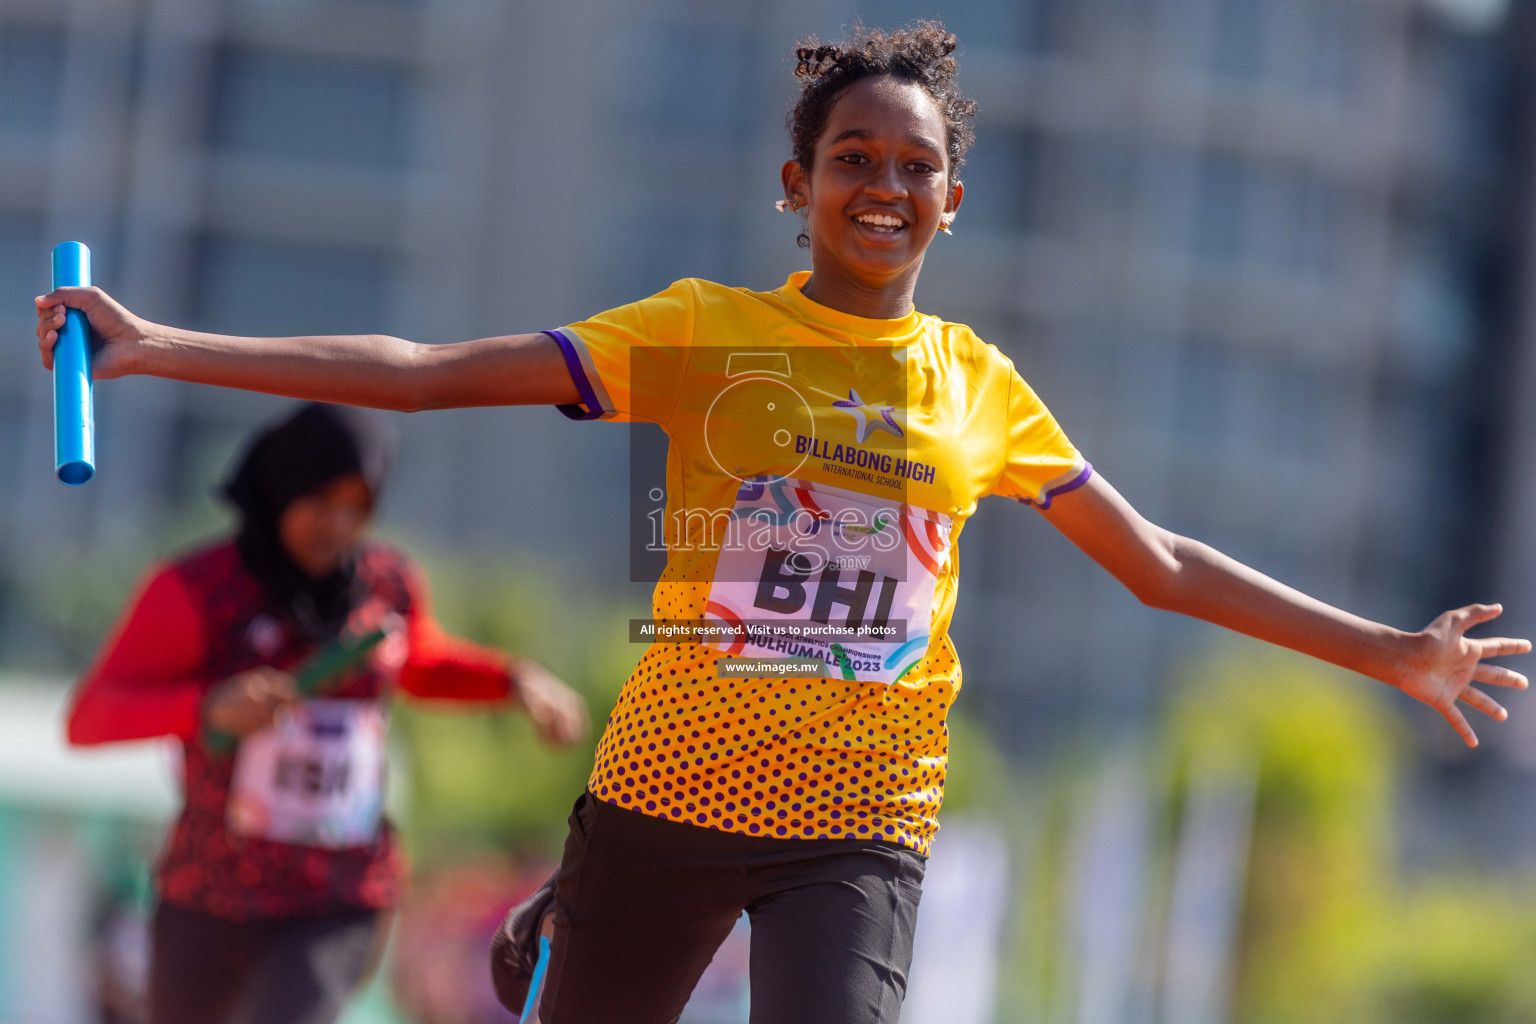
(311, 677)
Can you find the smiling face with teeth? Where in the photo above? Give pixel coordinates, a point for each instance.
(874, 197)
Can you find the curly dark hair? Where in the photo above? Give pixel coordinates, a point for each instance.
(923, 52)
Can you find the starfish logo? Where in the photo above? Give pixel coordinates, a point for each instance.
(866, 418)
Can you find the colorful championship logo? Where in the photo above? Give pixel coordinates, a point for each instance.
(814, 571)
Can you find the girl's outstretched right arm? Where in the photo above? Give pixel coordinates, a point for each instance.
(372, 370)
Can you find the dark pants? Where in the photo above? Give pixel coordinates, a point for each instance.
(641, 905)
(210, 970)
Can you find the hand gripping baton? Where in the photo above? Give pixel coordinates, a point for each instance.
(311, 677)
(74, 419)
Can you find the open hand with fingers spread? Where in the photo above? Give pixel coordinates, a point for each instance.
(1443, 662)
(120, 334)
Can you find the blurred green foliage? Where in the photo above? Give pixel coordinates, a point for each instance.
(70, 610)
(977, 781)
(479, 779)
(1321, 857)
(1331, 928)
(58, 603)
(1038, 960)
(1459, 951)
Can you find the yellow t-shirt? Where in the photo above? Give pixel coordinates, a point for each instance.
(820, 468)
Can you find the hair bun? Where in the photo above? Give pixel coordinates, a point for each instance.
(813, 61)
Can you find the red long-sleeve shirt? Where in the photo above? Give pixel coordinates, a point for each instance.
(146, 683)
(195, 622)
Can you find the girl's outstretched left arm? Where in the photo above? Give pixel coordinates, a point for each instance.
(1436, 665)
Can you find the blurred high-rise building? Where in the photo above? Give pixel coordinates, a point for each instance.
(1247, 250)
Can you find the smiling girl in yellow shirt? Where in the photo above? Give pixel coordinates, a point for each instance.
(808, 802)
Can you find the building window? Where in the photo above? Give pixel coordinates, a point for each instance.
(31, 80)
(1471, 129)
(198, 449)
(1237, 39)
(1278, 220)
(1434, 303)
(1298, 403)
(24, 272)
(300, 108)
(1322, 47)
(1222, 199)
(1206, 385)
(663, 244)
(1002, 180)
(1028, 26)
(1307, 46)
(1295, 223)
(687, 79)
(1248, 405)
(288, 6)
(274, 289)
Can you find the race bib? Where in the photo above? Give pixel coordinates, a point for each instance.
(314, 779)
(807, 570)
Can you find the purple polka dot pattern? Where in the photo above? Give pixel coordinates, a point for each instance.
(808, 758)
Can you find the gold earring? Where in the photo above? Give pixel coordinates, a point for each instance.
(785, 206)
(944, 225)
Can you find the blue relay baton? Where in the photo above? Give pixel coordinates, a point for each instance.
(531, 1007)
(74, 418)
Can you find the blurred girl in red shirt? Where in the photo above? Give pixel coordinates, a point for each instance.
(274, 884)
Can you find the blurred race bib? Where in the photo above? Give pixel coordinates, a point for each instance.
(808, 570)
(314, 779)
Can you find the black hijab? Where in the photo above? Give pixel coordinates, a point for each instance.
(312, 447)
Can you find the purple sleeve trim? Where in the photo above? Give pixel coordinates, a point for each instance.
(1071, 485)
(594, 408)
